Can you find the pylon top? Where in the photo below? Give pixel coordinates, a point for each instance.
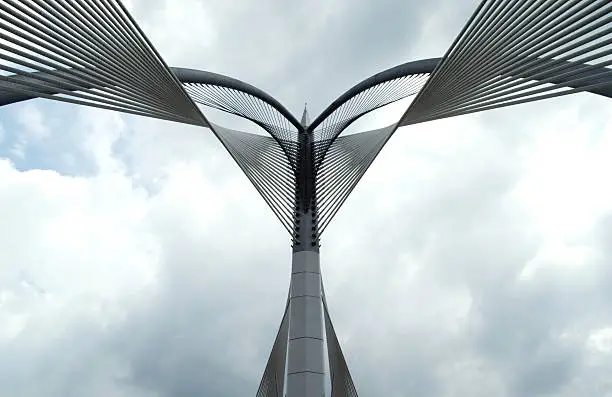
(305, 121)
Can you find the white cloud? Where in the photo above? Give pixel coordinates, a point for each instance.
(32, 122)
(86, 254)
(601, 340)
(32, 129)
(181, 30)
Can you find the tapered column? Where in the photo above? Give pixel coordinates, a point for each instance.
(305, 371)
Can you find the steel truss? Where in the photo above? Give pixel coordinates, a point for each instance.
(92, 52)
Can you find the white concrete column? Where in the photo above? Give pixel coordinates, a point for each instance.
(305, 371)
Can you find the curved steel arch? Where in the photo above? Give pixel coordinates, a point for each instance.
(591, 78)
(9, 95)
(187, 76)
(278, 128)
(243, 100)
(423, 66)
(264, 110)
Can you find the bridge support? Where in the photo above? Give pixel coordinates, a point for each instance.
(305, 368)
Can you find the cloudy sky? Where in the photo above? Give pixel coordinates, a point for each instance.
(474, 258)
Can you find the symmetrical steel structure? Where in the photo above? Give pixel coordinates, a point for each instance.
(92, 52)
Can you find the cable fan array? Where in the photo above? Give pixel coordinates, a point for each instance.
(512, 52)
(338, 171)
(363, 102)
(90, 53)
(341, 166)
(267, 167)
(272, 163)
(244, 105)
(251, 107)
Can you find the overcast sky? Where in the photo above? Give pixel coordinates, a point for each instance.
(473, 259)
